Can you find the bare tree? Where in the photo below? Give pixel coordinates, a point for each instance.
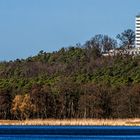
(127, 39)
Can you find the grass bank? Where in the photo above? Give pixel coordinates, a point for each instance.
(79, 122)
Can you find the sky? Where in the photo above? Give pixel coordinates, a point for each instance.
(28, 26)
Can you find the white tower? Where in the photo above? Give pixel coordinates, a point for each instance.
(137, 31)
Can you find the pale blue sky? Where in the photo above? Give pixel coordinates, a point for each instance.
(28, 26)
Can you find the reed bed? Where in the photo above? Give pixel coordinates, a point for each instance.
(74, 122)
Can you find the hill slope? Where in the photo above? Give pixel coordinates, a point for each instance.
(77, 82)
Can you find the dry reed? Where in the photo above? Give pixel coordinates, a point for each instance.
(74, 122)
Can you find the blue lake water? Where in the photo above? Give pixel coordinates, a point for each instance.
(69, 133)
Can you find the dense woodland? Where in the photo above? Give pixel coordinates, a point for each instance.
(74, 82)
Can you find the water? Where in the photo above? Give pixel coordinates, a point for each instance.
(69, 133)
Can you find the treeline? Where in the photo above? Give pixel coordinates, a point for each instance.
(72, 101)
(74, 82)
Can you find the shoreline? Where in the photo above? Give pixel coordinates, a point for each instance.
(74, 122)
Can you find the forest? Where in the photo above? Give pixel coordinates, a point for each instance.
(73, 82)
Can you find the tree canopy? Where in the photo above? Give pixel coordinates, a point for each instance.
(73, 82)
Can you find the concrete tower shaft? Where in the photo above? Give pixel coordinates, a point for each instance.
(137, 31)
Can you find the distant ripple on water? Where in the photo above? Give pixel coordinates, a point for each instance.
(69, 133)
